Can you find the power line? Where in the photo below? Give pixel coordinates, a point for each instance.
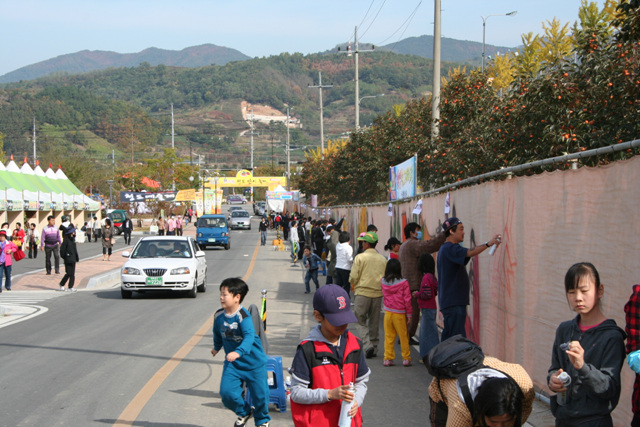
(374, 19)
(405, 24)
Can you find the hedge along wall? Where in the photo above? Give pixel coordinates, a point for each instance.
(548, 222)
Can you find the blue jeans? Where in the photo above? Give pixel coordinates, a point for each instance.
(454, 320)
(5, 270)
(311, 275)
(263, 237)
(428, 331)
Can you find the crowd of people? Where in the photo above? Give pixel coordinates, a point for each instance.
(410, 288)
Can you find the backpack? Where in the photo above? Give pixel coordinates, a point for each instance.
(454, 358)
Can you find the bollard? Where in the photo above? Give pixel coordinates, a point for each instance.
(264, 309)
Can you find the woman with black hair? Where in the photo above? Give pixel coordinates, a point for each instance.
(505, 403)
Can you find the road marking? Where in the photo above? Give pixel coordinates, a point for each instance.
(133, 409)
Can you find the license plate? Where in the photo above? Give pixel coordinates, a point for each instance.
(212, 240)
(154, 281)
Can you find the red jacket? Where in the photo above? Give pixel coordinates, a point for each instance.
(326, 373)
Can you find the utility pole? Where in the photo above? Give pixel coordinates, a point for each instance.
(320, 87)
(34, 142)
(357, 51)
(288, 154)
(252, 151)
(435, 96)
(173, 144)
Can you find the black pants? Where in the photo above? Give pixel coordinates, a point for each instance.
(342, 279)
(56, 256)
(33, 250)
(89, 233)
(127, 237)
(69, 274)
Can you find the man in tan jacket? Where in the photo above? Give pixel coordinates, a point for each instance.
(368, 268)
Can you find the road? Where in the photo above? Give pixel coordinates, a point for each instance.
(95, 359)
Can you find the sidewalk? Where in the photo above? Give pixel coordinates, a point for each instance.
(417, 406)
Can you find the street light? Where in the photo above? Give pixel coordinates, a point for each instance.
(359, 101)
(484, 26)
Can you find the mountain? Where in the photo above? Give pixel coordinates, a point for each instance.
(452, 50)
(92, 60)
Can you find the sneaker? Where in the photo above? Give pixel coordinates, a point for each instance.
(370, 353)
(389, 363)
(413, 341)
(406, 362)
(264, 425)
(73, 290)
(241, 421)
(61, 288)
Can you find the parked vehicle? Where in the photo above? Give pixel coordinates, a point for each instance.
(213, 230)
(118, 217)
(240, 219)
(259, 208)
(164, 263)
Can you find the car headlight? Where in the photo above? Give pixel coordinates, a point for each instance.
(130, 270)
(181, 270)
(199, 234)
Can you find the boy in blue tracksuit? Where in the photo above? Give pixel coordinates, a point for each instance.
(312, 262)
(245, 359)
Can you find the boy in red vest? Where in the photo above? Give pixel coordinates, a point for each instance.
(326, 362)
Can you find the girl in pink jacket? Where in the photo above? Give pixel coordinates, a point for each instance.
(397, 312)
(7, 248)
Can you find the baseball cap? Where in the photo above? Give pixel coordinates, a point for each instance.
(451, 222)
(3, 233)
(334, 304)
(370, 237)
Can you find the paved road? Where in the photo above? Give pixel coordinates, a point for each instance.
(95, 359)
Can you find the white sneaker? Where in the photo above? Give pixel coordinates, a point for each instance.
(73, 290)
(61, 288)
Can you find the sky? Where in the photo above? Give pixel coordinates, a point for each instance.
(36, 30)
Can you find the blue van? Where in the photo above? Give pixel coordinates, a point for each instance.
(213, 230)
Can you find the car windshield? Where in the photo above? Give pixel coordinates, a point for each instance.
(168, 248)
(211, 223)
(239, 214)
(116, 216)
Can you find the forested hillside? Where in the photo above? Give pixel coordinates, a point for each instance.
(127, 109)
(93, 60)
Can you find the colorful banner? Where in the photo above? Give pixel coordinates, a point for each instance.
(280, 195)
(135, 196)
(403, 179)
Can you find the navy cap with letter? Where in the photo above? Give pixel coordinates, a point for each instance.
(334, 304)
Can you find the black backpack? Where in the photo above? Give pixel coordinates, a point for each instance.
(454, 358)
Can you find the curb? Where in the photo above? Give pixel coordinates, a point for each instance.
(104, 280)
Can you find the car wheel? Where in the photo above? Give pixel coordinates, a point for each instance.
(249, 227)
(203, 286)
(203, 247)
(125, 294)
(227, 246)
(193, 292)
(117, 231)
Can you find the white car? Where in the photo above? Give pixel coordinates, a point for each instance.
(164, 263)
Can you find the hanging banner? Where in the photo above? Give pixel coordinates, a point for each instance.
(135, 196)
(186, 195)
(403, 179)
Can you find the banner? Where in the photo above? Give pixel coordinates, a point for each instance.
(186, 195)
(403, 179)
(135, 196)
